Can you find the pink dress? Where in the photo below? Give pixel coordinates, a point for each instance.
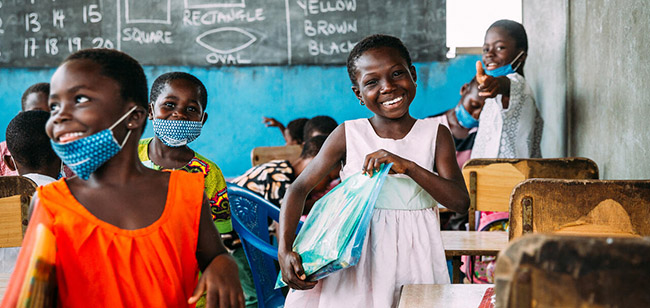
(404, 244)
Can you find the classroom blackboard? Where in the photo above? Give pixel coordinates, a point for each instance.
(41, 33)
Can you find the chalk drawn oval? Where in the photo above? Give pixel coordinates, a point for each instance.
(220, 34)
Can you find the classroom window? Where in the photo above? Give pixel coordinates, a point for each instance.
(467, 21)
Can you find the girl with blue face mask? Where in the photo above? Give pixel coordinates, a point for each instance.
(178, 102)
(110, 233)
(177, 111)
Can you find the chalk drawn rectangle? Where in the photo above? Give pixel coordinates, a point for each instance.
(204, 4)
(147, 11)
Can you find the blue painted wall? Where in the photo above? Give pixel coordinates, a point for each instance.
(240, 96)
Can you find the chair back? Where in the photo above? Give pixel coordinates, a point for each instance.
(587, 207)
(260, 155)
(15, 195)
(491, 181)
(544, 270)
(250, 218)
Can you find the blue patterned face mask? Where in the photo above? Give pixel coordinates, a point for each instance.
(506, 69)
(176, 133)
(83, 156)
(464, 118)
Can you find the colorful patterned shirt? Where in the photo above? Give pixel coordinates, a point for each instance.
(270, 180)
(215, 184)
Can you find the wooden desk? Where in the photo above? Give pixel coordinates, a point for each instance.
(442, 295)
(4, 281)
(471, 243)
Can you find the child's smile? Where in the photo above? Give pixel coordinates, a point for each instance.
(385, 82)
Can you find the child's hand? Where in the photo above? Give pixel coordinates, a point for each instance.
(489, 86)
(221, 281)
(293, 273)
(272, 122)
(374, 160)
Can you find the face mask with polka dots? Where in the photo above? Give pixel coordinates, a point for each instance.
(83, 156)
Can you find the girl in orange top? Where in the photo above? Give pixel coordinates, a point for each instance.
(123, 234)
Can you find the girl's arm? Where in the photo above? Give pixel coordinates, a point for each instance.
(330, 154)
(448, 187)
(219, 277)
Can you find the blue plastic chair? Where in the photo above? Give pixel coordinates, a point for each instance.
(250, 214)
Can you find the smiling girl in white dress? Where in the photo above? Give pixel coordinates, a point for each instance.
(403, 245)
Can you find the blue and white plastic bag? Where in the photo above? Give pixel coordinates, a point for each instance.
(332, 237)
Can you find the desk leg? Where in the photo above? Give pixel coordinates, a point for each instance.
(455, 263)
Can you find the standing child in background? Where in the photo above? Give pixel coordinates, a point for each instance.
(124, 235)
(511, 126)
(177, 109)
(404, 245)
(292, 133)
(34, 98)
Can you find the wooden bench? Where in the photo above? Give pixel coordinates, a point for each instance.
(542, 270)
(590, 207)
(490, 181)
(15, 195)
(260, 155)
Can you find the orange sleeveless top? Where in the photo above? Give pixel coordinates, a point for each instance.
(102, 265)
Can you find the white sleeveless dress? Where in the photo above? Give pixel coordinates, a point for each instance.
(404, 245)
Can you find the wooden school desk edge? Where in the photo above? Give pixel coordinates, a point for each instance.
(533, 195)
(434, 295)
(516, 170)
(23, 187)
(260, 155)
(547, 269)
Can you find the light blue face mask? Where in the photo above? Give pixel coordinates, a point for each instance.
(176, 133)
(464, 118)
(506, 69)
(83, 156)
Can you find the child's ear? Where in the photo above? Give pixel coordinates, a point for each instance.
(205, 117)
(464, 89)
(137, 118)
(9, 162)
(413, 73)
(357, 92)
(151, 105)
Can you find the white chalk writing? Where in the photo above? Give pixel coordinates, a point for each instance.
(313, 7)
(146, 37)
(74, 44)
(57, 18)
(90, 14)
(51, 47)
(100, 42)
(30, 47)
(326, 28)
(331, 48)
(229, 59)
(198, 18)
(31, 22)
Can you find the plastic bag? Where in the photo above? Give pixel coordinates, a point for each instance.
(332, 236)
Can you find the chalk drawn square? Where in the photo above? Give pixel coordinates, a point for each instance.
(147, 11)
(203, 4)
